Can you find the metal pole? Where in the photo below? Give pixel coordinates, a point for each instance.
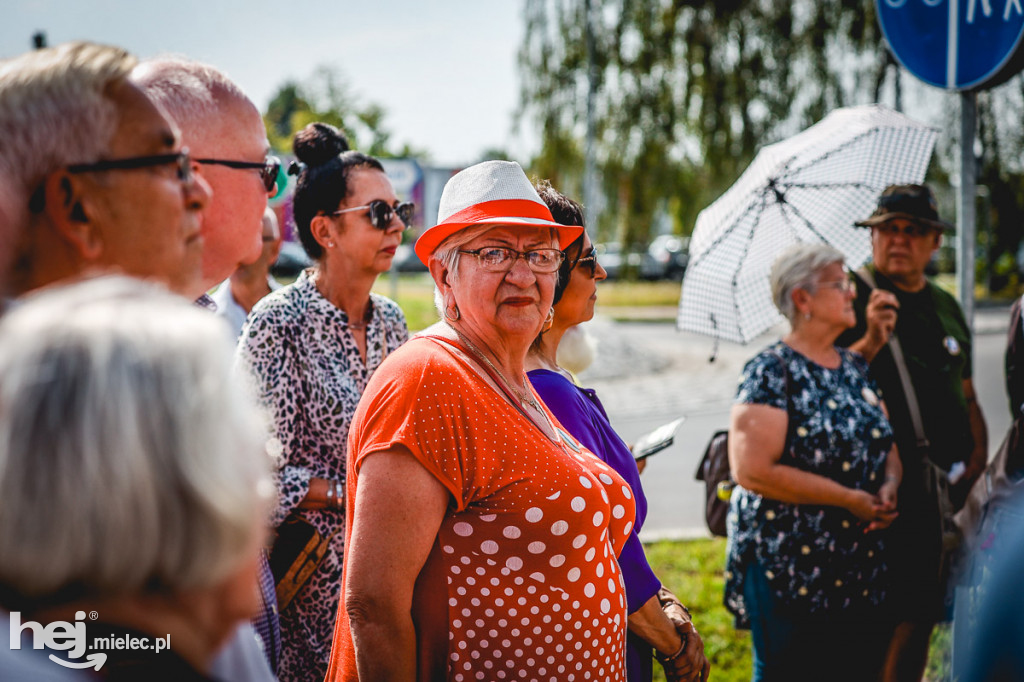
(965, 210)
(589, 151)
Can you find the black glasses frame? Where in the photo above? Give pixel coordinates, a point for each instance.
(269, 168)
(381, 213)
(182, 159)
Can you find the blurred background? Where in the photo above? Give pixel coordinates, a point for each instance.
(668, 100)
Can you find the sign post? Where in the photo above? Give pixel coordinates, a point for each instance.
(962, 46)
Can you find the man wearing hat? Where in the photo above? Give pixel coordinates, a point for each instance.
(895, 297)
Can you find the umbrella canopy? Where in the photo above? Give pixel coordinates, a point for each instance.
(809, 188)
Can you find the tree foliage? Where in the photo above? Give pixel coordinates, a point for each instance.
(326, 97)
(689, 90)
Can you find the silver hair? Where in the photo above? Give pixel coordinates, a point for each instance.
(130, 459)
(189, 91)
(54, 109)
(797, 268)
(447, 254)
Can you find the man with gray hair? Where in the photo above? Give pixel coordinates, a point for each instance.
(100, 179)
(225, 134)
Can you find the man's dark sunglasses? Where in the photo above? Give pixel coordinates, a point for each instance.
(268, 169)
(181, 160)
(381, 213)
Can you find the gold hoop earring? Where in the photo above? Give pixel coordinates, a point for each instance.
(448, 315)
(549, 320)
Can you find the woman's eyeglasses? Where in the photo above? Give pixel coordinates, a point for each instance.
(588, 261)
(268, 169)
(501, 258)
(381, 213)
(845, 286)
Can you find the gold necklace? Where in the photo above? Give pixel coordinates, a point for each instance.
(523, 397)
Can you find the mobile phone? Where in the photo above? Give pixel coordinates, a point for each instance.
(656, 440)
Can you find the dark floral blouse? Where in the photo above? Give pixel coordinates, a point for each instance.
(818, 560)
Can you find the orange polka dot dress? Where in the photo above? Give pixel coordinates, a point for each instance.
(522, 582)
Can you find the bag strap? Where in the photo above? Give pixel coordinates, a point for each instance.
(901, 367)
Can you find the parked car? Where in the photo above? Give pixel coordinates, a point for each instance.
(290, 261)
(612, 258)
(666, 258)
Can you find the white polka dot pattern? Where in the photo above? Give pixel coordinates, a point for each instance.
(524, 564)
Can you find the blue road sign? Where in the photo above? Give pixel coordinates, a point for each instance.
(955, 44)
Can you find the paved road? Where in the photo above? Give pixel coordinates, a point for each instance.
(647, 374)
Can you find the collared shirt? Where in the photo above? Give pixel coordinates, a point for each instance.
(230, 309)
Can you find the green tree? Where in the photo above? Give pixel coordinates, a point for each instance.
(688, 91)
(326, 97)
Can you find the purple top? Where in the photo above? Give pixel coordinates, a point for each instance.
(583, 416)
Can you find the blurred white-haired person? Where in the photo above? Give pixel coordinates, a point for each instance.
(812, 450)
(134, 480)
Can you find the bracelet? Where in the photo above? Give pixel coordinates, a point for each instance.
(330, 495)
(677, 654)
(339, 495)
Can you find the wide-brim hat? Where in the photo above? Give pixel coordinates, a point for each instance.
(490, 193)
(910, 202)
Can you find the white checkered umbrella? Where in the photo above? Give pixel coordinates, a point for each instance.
(809, 188)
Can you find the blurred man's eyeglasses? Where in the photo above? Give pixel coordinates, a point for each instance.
(268, 169)
(181, 160)
(909, 230)
(381, 213)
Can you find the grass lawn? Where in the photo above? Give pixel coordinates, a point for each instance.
(415, 295)
(693, 570)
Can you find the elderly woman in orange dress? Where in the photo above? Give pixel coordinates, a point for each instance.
(481, 538)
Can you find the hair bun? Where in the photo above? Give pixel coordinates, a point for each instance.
(318, 143)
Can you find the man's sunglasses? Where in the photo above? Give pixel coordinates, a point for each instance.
(181, 160)
(910, 229)
(381, 213)
(268, 169)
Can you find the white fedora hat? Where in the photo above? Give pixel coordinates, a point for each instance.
(490, 193)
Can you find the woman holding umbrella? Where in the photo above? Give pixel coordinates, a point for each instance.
(812, 450)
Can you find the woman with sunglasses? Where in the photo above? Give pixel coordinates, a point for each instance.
(657, 622)
(311, 347)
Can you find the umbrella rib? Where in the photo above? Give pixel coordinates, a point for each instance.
(739, 266)
(726, 232)
(831, 185)
(807, 222)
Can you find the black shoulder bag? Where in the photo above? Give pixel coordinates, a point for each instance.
(714, 471)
